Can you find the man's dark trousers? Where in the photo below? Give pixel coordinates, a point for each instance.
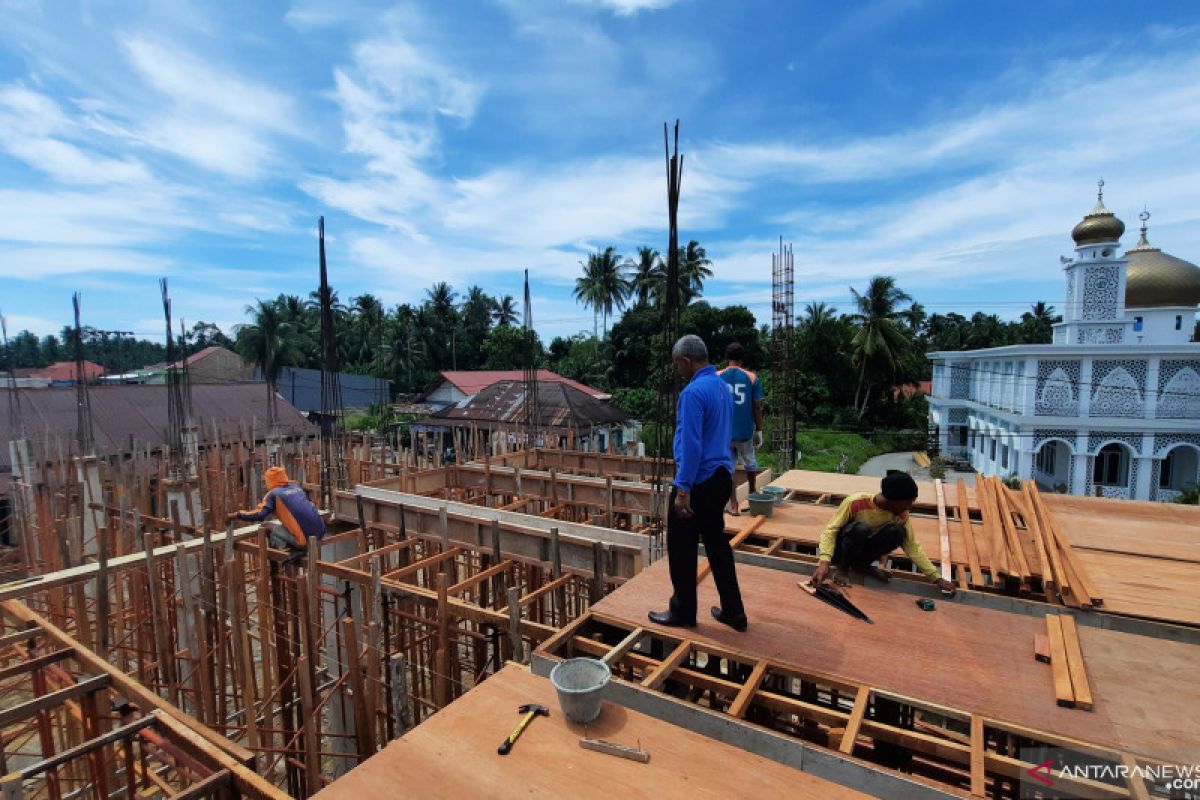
(858, 546)
(683, 545)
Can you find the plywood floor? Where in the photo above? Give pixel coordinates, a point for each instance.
(974, 659)
(453, 755)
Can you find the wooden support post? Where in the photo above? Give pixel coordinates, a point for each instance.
(364, 733)
(514, 623)
(441, 678)
(856, 716)
(401, 708)
(312, 757)
(978, 746)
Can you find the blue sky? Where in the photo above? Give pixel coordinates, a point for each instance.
(950, 144)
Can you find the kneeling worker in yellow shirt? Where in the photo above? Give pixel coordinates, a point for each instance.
(867, 527)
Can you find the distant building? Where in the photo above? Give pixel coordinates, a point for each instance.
(218, 365)
(454, 387)
(1112, 406)
(567, 416)
(302, 388)
(60, 373)
(135, 413)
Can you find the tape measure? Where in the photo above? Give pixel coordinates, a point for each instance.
(925, 605)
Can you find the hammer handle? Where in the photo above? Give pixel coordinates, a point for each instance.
(516, 734)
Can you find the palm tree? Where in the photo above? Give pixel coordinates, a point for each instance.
(880, 342)
(649, 276)
(915, 317)
(818, 316)
(442, 297)
(271, 342)
(693, 269)
(505, 311)
(602, 286)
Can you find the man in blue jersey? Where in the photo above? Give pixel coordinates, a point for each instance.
(703, 480)
(747, 393)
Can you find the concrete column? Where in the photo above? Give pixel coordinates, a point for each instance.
(1081, 464)
(1146, 463)
(1085, 387)
(1028, 391)
(1151, 393)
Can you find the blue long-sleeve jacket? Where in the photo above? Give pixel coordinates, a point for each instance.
(703, 425)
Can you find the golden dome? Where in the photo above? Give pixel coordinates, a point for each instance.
(1099, 226)
(1154, 278)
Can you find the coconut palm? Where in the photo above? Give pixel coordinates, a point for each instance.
(603, 286)
(880, 343)
(649, 276)
(693, 270)
(505, 311)
(271, 342)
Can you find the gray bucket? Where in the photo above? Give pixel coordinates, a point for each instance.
(761, 504)
(580, 683)
(777, 493)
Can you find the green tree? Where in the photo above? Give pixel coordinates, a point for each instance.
(693, 270)
(649, 276)
(504, 347)
(880, 343)
(603, 285)
(1037, 324)
(505, 311)
(271, 342)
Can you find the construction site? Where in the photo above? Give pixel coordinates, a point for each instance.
(150, 647)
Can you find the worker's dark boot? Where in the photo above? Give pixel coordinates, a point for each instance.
(295, 556)
(738, 623)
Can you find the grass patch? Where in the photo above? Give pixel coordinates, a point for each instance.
(822, 451)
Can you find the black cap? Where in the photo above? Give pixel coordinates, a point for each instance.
(898, 485)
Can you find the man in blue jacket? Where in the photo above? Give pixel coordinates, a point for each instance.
(703, 479)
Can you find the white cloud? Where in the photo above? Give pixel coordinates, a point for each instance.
(213, 118)
(625, 8)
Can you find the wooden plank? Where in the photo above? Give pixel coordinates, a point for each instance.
(615, 655)
(1041, 647)
(1063, 693)
(660, 673)
(126, 685)
(856, 717)
(740, 703)
(997, 558)
(480, 577)
(1079, 680)
(1024, 499)
(978, 744)
(968, 534)
(614, 749)
(1016, 548)
(35, 662)
(943, 531)
(19, 713)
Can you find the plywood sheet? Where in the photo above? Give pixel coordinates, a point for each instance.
(453, 755)
(1160, 530)
(969, 658)
(839, 485)
(1145, 587)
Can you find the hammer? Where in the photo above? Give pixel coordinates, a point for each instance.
(530, 710)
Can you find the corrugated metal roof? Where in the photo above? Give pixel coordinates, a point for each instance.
(471, 382)
(139, 411)
(560, 405)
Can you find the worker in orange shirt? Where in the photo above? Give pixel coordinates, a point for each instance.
(297, 519)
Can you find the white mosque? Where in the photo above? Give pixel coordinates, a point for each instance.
(1112, 406)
